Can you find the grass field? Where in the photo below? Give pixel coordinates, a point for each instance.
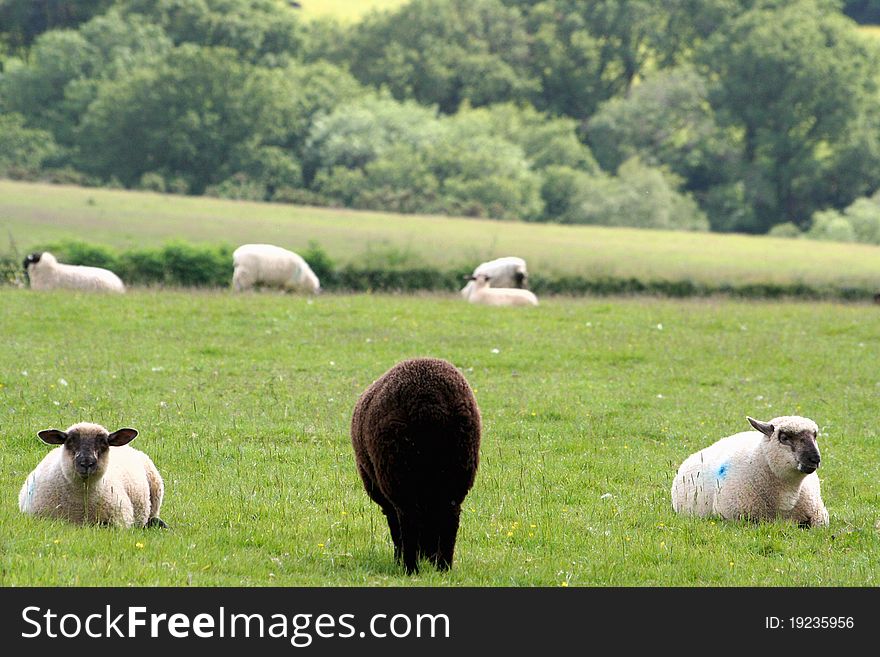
(244, 403)
(346, 10)
(35, 214)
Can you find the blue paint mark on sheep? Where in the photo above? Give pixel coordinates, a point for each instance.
(31, 486)
(722, 471)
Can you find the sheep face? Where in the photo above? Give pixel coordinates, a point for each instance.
(791, 443)
(86, 448)
(30, 259)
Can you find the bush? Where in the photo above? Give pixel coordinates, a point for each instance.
(23, 149)
(830, 225)
(864, 216)
(178, 185)
(153, 182)
(75, 252)
(238, 187)
(11, 271)
(639, 197)
(788, 229)
(859, 222)
(176, 263)
(198, 266)
(143, 267)
(302, 197)
(320, 263)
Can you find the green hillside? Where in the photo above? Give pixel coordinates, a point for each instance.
(35, 214)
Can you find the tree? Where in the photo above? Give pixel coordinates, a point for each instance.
(800, 86)
(584, 53)
(863, 11)
(545, 140)
(356, 133)
(379, 153)
(23, 150)
(443, 52)
(259, 30)
(639, 196)
(200, 114)
(666, 120)
(21, 22)
(859, 222)
(60, 78)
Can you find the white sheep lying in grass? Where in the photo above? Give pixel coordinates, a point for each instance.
(94, 477)
(272, 266)
(483, 294)
(45, 273)
(758, 475)
(508, 271)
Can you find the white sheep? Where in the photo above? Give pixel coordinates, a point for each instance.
(269, 265)
(483, 294)
(758, 475)
(94, 477)
(46, 273)
(508, 271)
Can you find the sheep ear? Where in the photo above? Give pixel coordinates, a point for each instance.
(764, 427)
(121, 437)
(52, 436)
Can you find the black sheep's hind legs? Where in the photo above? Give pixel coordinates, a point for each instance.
(394, 527)
(409, 534)
(447, 530)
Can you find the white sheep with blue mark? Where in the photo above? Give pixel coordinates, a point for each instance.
(766, 474)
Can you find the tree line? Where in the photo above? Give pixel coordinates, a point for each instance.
(726, 115)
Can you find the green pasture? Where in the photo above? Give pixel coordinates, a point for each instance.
(35, 214)
(589, 406)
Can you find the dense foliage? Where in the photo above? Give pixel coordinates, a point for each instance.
(729, 115)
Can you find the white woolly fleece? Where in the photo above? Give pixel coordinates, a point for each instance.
(266, 264)
(128, 494)
(483, 294)
(49, 274)
(502, 271)
(751, 475)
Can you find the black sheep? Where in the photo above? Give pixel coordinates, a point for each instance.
(416, 437)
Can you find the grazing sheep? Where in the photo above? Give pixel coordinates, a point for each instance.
(483, 294)
(759, 475)
(94, 478)
(45, 273)
(272, 266)
(508, 271)
(416, 437)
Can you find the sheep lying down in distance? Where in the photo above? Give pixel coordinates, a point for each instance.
(44, 272)
(484, 294)
(94, 477)
(509, 271)
(765, 474)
